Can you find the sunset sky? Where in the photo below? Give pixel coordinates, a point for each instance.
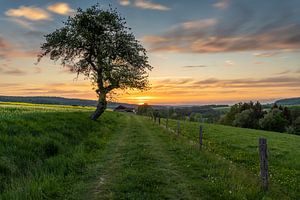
(202, 51)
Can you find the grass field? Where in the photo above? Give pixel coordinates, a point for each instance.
(48, 152)
(56, 152)
(240, 146)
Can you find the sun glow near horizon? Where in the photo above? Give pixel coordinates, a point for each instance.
(193, 62)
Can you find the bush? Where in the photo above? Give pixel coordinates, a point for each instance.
(290, 130)
(246, 119)
(274, 121)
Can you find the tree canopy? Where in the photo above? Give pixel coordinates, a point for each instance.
(98, 44)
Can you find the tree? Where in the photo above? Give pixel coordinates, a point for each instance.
(145, 109)
(96, 43)
(274, 121)
(297, 125)
(230, 116)
(196, 117)
(246, 119)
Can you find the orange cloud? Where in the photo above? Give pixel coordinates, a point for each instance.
(124, 2)
(173, 91)
(212, 90)
(29, 12)
(60, 8)
(146, 4)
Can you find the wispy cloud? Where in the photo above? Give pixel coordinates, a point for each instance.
(29, 12)
(269, 82)
(242, 29)
(221, 4)
(22, 22)
(265, 54)
(61, 8)
(278, 81)
(284, 72)
(201, 41)
(145, 4)
(188, 90)
(124, 2)
(9, 50)
(13, 71)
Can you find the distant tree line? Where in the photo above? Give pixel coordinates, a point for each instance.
(252, 115)
(205, 113)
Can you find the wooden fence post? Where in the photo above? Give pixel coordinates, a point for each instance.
(263, 155)
(200, 137)
(178, 127)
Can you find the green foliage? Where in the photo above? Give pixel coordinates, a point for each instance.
(246, 119)
(206, 113)
(98, 44)
(297, 126)
(230, 116)
(274, 121)
(145, 109)
(250, 115)
(196, 117)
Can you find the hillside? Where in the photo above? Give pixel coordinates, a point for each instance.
(56, 152)
(58, 101)
(289, 101)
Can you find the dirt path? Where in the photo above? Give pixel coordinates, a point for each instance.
(136, 167)
(144, 161)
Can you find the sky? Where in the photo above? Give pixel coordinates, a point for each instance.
(202, 51)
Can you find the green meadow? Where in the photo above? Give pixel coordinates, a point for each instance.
(56, 152)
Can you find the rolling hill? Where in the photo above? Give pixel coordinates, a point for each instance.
(56, 152)
(58, 101)
(289, 101)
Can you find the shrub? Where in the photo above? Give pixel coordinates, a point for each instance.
(246, 119)
(274, 121)
(290, 130)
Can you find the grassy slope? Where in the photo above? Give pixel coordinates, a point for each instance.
(240, 146)
(57, 153)
(50, 151)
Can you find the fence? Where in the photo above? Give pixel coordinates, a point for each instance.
(262, 146)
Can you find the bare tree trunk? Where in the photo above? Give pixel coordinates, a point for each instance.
(102, 104)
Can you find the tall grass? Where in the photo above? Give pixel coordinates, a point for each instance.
(49, 152)
(240, 146)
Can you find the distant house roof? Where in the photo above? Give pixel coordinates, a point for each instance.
(122, 108)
